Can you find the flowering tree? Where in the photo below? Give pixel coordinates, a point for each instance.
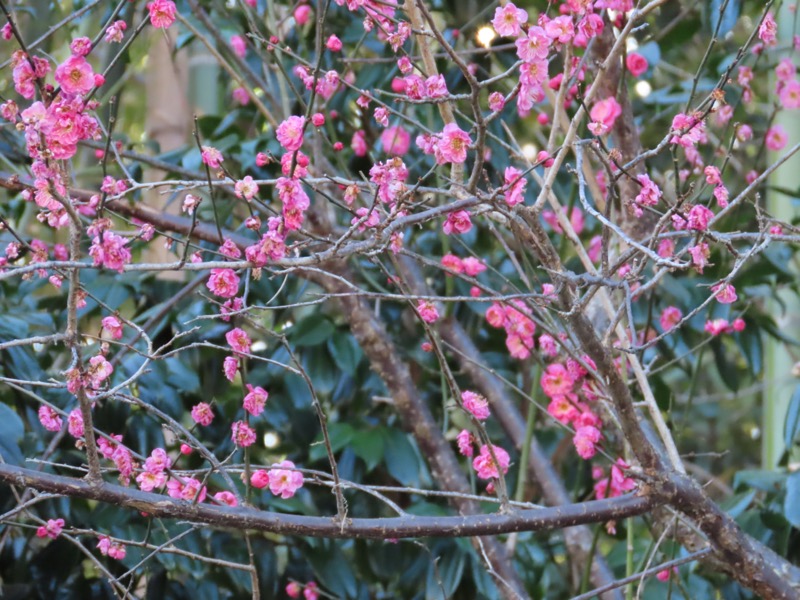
(444, 302)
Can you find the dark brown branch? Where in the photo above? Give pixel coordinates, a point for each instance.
(246, 518)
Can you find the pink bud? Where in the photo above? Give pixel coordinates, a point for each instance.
(302, 13)
(334, 44)
(318, 119)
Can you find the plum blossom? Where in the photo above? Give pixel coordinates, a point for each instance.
(113, 326)
(465, 441)
(585, 440)
(115, 32)
(396, 140)
(242, 434)
(768, 30)
(51, 529)
(670, 317)
(725, 293)
(109, 250)
(202, 414)
(556, 380)
(290, 133)
(223, 283)
(283, 480)
(246, 188)
(427, 311)
(508, 20)
(603, 115)
(475, 404)
(457, 222)
(162, 13)
(49, 418)
(75, 75)
(453, 145)
(211, 157)
(485, 466)
(515, 184)
(238, 339)
(255, 400)
(636, 64)
(776, 138)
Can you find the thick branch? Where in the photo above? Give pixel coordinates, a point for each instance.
(244, 518)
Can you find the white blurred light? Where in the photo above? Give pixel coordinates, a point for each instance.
(530, 151)
(271, 439)
(258, 346)
(643, 88)
(485, 36)
(631, 45)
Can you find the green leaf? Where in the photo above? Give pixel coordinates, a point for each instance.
(340, 435)
(333, 570)
(368, 446)
(401, 459)
(737, 504)
(11, 432)
(792, 423)
(311, 331)
(345, 351)
(791, 504)
(766, 481)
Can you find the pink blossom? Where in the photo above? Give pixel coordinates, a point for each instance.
(670, 317)
(115, 550)
(211, 157)
(560, 29)
(81, 46)
(318, 119)
(515, 184)
(465, 441)
(691, 130)
(585, 440)
(721, 196)
(238, 339)
(230, 366)
(533, 46)
(227, 498)
(768, 30)
(698, 218)
(453, 146)
(485, 466)
(99, 370)
(359, 143)
(75, 423)
(427, 311)
(725, 293)
(51, 529)
(239, 46)
(776, 138)
(158, 461)
(115, 32)
(700, 254)
(190, 489)
(255, 400)
(202, 414)
(603, 114)
(396, 140)
(302, 14)
(162, 13)
(452, 262)
(473, 266)
(290, 133)
(223, 283)
(457, 222)
(75, 75)
(149, 481)
(283, 481)
(310, 592)
(475, 404)
(259, 479)
(246, 188)
(113, 326)
(110, 251)
(242, 434)
(508, 20)
(556, 380)
(49, 418)
(496, 101)
(790, 94)
(649, 194)
(334, 44)
(716, 327)
(636, 64)
(436, 87)
(563, 409)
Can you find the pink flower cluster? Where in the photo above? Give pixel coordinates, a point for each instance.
(720, 326)
(154, 474)
(115, 550)
(283, 480)
(614, 484)
(520, 328)
(475, 404)
(310, 591)
(449, 146)
(470, 266)
(113, 450)
(486, 467)
(51, 529)
(565, 385)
